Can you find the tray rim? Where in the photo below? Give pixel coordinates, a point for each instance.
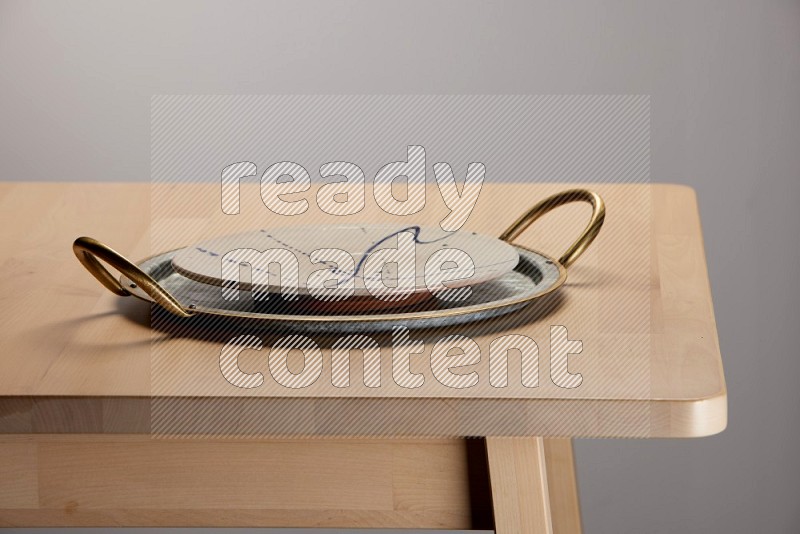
(371, 318)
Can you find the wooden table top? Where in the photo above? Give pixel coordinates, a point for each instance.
(76, 358)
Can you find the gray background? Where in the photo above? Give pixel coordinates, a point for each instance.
(724, 79)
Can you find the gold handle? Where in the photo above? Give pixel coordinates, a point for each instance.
(88, 250)
(548, 204)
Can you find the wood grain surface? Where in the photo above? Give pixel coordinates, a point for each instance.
(132, 480)
(79, 359)
(533, 484)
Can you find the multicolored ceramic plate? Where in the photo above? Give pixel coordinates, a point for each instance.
(489, 257)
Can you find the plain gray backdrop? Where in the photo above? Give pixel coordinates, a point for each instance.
(724, 78)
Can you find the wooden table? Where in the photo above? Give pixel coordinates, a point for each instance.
(77, 382)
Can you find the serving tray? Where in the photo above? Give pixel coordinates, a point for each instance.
(536, 274)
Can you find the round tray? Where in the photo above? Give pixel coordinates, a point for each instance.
(534, 276)
(154, 279)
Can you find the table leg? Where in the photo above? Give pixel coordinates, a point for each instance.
(533, 485)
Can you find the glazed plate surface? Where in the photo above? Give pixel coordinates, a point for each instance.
(311, 246)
